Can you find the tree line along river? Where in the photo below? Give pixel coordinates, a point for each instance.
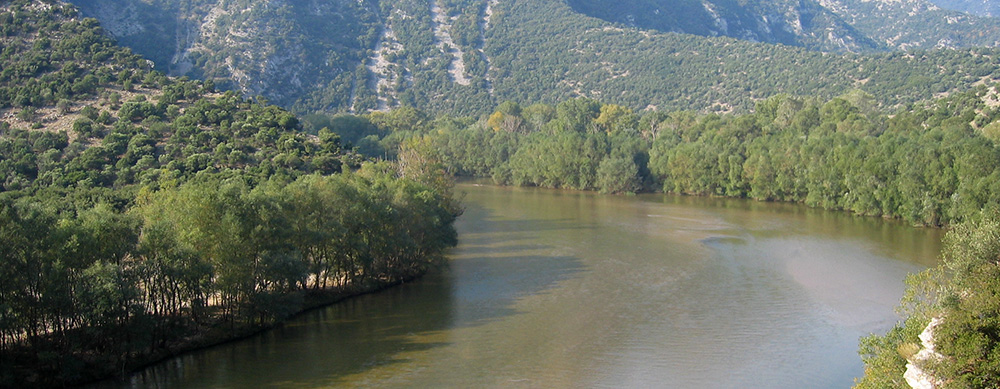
(552, 288)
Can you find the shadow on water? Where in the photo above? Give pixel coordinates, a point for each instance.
(319, 346)
(552, 288)
(489, 271)
(486, 288)
(499, 261)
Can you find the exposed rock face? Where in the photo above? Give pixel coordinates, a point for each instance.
(824, 25)
(335, 55)
(915, 376)
(976, 7)
(285, 51)
(798, 23)
(915, 24)
(442, 36)
(459, 56)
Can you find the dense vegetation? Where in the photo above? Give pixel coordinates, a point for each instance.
(143, 215)
(323, 58)
(680, 72)
(930, 165)
(960, 298)
(794, 23)
(975, 7)
(934, 164)
(94, 291)
(837, 25)
(49, 60)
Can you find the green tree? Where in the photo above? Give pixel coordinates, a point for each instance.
(618, 175)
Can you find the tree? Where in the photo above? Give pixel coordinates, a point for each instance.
(618, 175)
(615, 118)
(961, 295)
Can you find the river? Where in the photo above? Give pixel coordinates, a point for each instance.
(551, 288)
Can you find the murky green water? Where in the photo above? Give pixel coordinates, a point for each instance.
(566, 289)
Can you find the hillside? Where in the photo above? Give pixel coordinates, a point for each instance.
(78, 109)
(917, 24)
(142, 216)
(795, 23)
(975, 7)
(825, 25)
(464, 56)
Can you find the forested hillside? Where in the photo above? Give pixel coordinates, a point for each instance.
(301, 51)
(934, 164)
(465, 56)
(831, 25)
(916, 24)
(794, 23)
(975, 7)
(142, 215)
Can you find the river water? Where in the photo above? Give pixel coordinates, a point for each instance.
(552, 288)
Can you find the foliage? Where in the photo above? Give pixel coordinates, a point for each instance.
(166, 212)
(928, 165)
(166, 131)
(354, 57)
(963, 297)
(981, 8)
(166, 208)
(116, 284)
(968, 334)
(51, 58)
(793, 23)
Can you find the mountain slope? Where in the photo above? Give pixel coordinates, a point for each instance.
(916, 24)
(286, 51)
(465, 56)
(142, 216)
(107, 119)
(680, 71)
(791, 22)
(975, 7)
(825, 25)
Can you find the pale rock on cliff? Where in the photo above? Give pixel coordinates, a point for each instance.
(915, 376)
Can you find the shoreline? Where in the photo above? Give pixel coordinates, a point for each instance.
(487, 180)
(216, 334)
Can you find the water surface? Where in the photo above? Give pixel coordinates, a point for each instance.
(552, 288)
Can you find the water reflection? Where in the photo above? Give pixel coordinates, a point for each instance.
(555, 288)
(322, 347)
(319, 346)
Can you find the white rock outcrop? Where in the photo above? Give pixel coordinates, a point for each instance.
(916, 376)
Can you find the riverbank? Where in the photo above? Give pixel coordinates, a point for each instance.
(486, 180)
(198, 336)
(103, 292)
(561, 288)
